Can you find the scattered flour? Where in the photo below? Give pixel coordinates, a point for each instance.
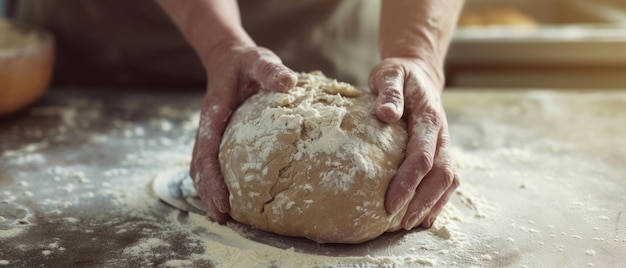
(590, 252)
(145, 247)
(65, 204)
(178, 263)
(324, 135)
(240, 251)
(11, 233)
(71, 220)
(457, 239)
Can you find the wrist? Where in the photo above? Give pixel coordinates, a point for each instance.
(210, 51)
(433, 70)
(210, 26)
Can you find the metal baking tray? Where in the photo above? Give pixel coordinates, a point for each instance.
(583, 32)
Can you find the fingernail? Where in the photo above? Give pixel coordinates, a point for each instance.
(427, 223)
(287, 80)
(221, 207)
(411, 222)
(390, 106)
(396, 204)
(408, 225)
(431, 221)
(388, 112)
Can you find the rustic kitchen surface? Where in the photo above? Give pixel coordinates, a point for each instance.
(543, 184)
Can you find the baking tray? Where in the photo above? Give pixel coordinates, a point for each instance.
(579, 32)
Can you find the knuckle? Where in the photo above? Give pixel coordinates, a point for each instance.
(446, 142)
(447, 178)
(429, 115)
(425, 161)
(268, 71)
(392, 94)
(256, 52)
(455, 182)
(407, 186)
(391, 71)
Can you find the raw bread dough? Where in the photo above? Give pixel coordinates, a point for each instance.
(314, 162)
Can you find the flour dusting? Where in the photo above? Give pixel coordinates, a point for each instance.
(536, 190)
(289, 158)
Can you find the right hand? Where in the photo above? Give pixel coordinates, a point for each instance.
(427, 177)
(234, 72)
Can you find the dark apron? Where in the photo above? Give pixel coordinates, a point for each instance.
(133, 43)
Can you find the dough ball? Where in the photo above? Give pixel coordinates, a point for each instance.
(314, 162)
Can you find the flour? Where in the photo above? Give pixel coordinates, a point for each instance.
(321, 142)
(11, 39)
(68, 188)
(11, 233)
(240, 251)
(66, 114)
(71, 219)
(525, 200)
(146, 247)
(26, 155)
(178, 263)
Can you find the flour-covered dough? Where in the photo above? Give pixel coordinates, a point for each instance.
(314, 162)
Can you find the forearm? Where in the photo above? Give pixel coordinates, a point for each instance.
(418, 29)
(208, 24)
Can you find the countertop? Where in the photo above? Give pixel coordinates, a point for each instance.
(543, 176)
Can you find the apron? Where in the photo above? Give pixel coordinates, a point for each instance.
(133, 43)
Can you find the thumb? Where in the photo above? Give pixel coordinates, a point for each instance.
(387, 80)
(268, 70)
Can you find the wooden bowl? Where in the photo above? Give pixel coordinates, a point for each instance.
(26, 63)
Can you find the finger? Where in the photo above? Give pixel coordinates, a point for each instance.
(387, 80)
(192, 166)
(433, 186)
(208, 177)
(424, 126)
(268, 70)
(436, 209)
(213, 213)
(212, 185)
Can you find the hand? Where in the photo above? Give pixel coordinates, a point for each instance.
(427, 176)
(234, 73)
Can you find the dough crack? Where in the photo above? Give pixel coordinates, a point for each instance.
(324, 162)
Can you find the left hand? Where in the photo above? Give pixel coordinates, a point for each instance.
(235, 72)
(427, 176)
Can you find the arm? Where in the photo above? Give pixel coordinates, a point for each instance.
(414, 38)
(208, 24)
(418, 29)
(236, 68)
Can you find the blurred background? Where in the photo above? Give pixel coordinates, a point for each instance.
(534, 43)
(537, 43)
